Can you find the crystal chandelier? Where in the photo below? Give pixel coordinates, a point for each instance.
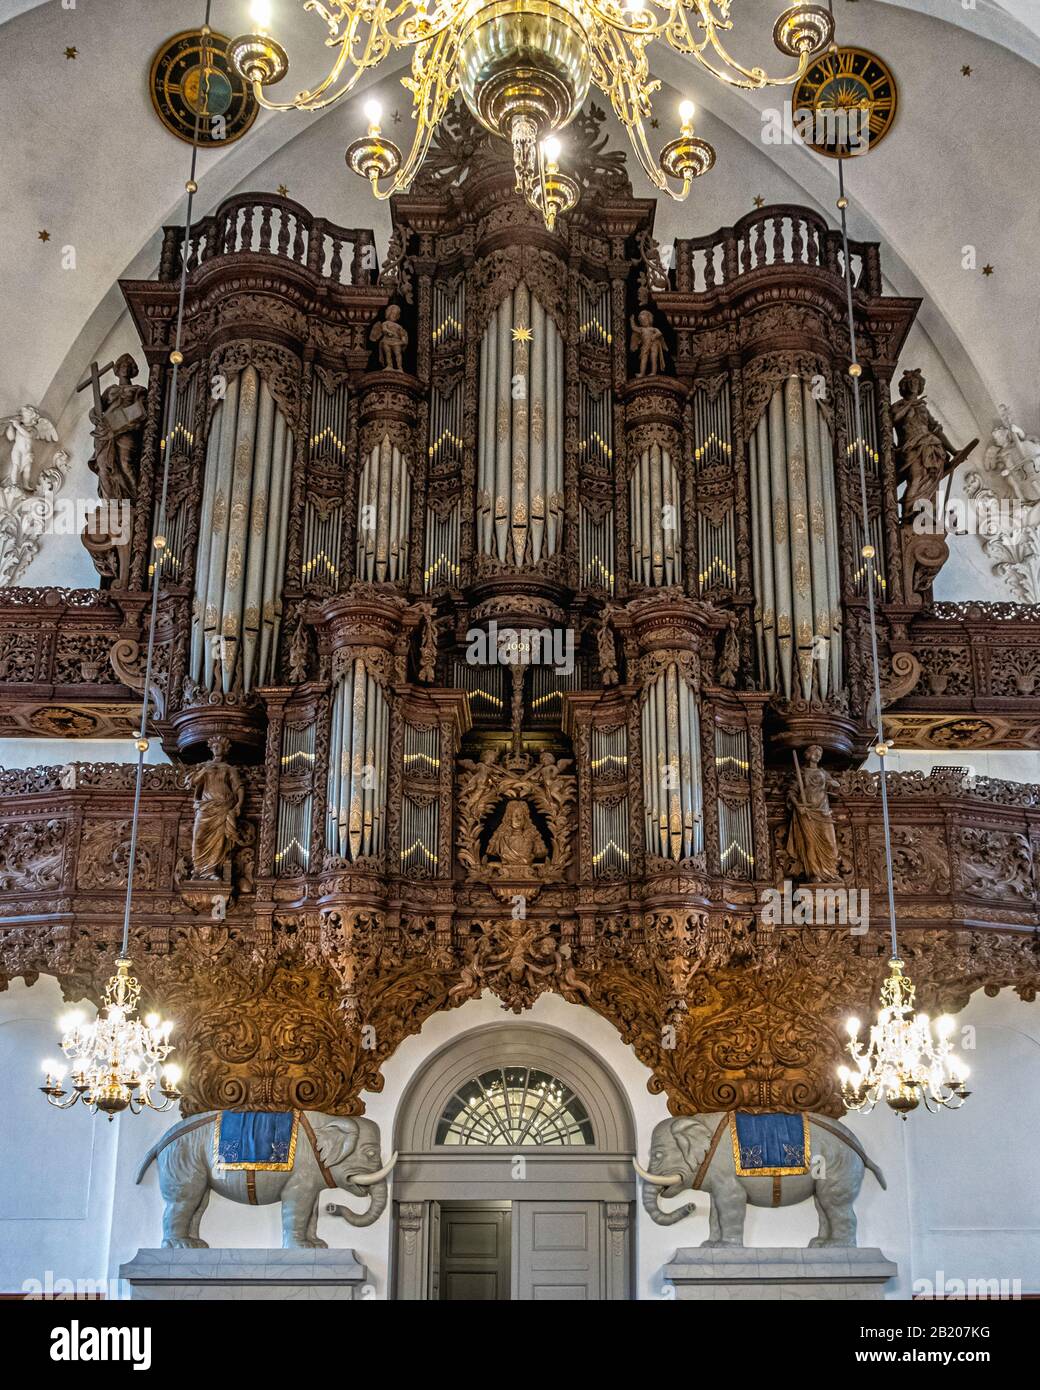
(903, 1063)
(115, 1061)
(524, 68)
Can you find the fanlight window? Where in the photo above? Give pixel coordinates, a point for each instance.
(514, 1105)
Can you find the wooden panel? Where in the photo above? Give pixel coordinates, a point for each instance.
(475, 1253)
(558, 1251)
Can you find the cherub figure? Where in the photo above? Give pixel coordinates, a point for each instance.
(392, 338)
(648, 341)
(1016, 457)
(23, 430)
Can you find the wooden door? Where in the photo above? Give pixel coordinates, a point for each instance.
(558, 1251)
(475, 1252)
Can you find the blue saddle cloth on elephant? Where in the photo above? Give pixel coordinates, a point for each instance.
(770, 1146)
(256, 1139)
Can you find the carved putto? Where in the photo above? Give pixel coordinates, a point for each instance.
(30, 478)
(391, 336)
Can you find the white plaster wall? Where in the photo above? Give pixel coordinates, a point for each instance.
(960, 1197)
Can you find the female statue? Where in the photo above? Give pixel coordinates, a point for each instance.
(811, 841)
(219, 795)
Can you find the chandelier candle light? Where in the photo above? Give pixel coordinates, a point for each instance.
(119, 1062)
(903, 1062)
(524, 68)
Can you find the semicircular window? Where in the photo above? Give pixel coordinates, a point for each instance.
(514, 1105)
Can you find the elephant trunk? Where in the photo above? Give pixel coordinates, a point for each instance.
(378, 1194)
(652, 1206)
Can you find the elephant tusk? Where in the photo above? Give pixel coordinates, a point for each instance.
(668, 1180)
(368, 1179)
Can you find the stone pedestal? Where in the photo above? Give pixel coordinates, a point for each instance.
(782, 1272)
(331, 1275)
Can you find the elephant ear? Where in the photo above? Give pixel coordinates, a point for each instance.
(692, 1136)
(336, 1138)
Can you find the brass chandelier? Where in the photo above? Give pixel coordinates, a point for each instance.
(524, 68)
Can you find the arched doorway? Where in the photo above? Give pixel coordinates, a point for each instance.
(514, 1179)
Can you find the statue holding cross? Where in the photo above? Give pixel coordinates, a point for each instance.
(118, 417)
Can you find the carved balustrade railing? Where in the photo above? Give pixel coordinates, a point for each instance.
(70, 662)
(964, 676)
(965, 848)
(775, 236)
(270, 225)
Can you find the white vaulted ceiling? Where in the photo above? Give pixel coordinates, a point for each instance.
(84, 157)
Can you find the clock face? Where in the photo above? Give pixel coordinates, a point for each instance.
(191, 77)
(851, 95)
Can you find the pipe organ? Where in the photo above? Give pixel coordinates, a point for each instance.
(498, 609)
(343, 522)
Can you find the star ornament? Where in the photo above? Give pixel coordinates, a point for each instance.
(44, 236)
(522, 334)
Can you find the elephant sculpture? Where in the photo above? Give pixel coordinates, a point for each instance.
(694, 1151)
(330, 1151)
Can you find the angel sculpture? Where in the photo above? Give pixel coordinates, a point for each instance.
(23, 430)
(1015, 456)
(392, 339)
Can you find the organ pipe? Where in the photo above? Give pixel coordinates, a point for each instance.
(656, 521)
(795, 528)
(295, 807)
(384, 509)
(242, 535)
(672, 789)
(520, 445)
(355, 825)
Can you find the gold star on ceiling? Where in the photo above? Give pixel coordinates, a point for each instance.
(282, 191)
(44, 236)
(987, 270)
(522, 334)
(966, 70)
(72, 53)
(760, 201)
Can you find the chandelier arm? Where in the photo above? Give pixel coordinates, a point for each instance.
(378, 44)
(622, 75)
(434, 82)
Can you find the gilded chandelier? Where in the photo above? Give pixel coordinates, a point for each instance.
(524, 68)
(116, 1062)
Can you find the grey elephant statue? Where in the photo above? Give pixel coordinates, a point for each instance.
(302, 1153)
(703, 1153)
